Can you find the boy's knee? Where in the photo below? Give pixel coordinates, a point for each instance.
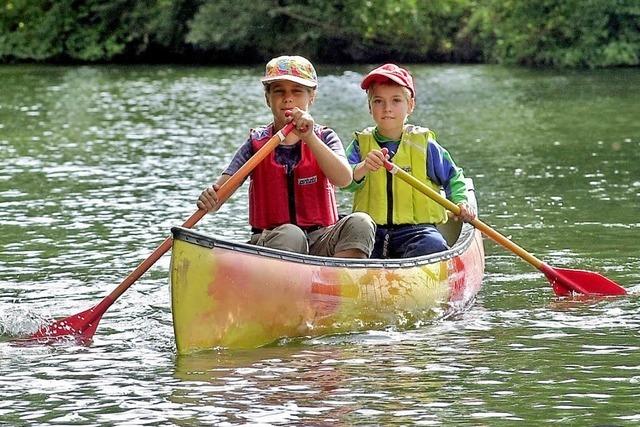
(357, 232)
(361, 223)
(290, 230)
(288, 237)
(426, 246)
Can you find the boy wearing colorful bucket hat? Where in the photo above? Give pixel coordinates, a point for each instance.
(406, 219)
(292, 204)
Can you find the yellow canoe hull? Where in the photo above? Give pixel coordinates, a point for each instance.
(241, 296)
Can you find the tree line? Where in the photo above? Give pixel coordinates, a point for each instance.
(542, 33)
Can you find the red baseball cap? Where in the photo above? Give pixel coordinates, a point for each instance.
(389, 72)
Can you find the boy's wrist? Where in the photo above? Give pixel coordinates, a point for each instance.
(311, 139)
(359, 172)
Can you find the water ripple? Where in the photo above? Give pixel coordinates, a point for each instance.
(100, 162)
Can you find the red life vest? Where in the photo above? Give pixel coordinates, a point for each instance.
(313, 202)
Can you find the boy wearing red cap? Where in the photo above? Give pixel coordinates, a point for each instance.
(292, 204)
(406, 219)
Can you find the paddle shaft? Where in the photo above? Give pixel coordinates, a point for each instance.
(224, 192)
(484, 228)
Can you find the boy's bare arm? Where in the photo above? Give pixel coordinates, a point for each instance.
(335, 168)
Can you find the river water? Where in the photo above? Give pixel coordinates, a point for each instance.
(99, 162)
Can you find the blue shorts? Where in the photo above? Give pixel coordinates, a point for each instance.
(406, 241)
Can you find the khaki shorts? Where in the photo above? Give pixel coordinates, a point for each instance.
(354, 231)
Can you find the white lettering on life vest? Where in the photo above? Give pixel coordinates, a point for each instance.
(307, 181)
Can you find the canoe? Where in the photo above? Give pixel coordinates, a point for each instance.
(236, 295)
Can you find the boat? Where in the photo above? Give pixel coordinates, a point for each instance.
(236, 295)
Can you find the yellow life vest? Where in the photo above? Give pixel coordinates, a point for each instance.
(409, 206)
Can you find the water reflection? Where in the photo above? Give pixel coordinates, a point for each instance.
(422, 372)
(271, 385)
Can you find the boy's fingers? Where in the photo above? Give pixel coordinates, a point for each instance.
(380, 157)
(467, 213)
(208, 198)
(202, 204)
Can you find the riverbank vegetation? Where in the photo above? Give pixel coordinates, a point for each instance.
(556, 33)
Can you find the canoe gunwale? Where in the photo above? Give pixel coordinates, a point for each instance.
(465, 239)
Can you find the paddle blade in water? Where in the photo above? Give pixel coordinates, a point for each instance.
(566, 281)
(82, 325)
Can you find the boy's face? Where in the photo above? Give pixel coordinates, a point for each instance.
(390, 105)
(284, 95)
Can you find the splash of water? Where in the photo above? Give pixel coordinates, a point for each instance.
(17, 321)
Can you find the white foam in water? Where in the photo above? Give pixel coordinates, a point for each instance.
(16, 321)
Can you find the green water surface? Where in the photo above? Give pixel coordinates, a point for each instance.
(97, 163)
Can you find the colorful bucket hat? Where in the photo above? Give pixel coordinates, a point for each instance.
(389, 72)
(293, 68)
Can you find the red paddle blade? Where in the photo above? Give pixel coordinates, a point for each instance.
(566, 281)
(82, 325)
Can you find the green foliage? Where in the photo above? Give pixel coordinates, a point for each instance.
(566, 33)
(28, 31)
(222, 25)
(90, 30)
(170, 25)
(416, 28)
(561, 33)
(334, 30)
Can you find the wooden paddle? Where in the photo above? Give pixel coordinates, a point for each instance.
(563, 280)
(83, 325)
